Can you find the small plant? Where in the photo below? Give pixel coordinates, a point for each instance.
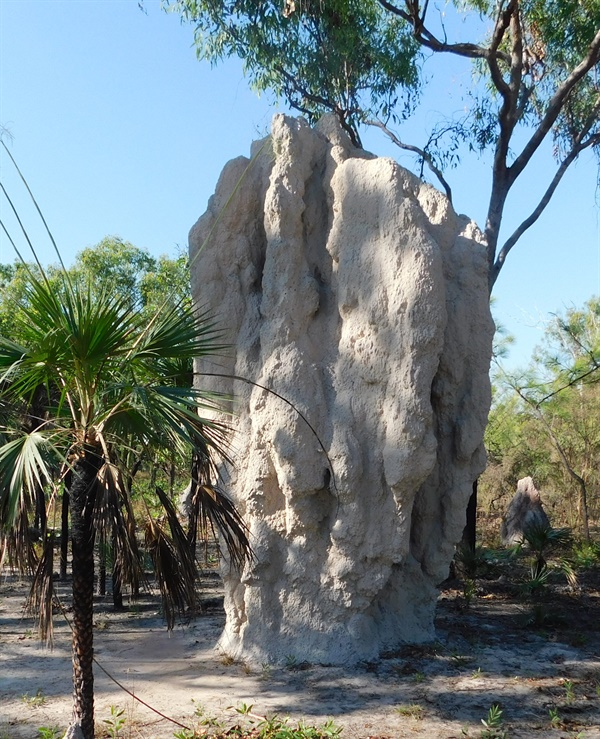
(470, 562)
(477, 674)
(49, 732)
(265, 671)
(34, 701)
(291, 661)
(493, 724)
(411, 710)
(469, 591)
(585, 555)
(541, 539)
(555, 719)
(258, 727)
(115, 722)
(569, 691)
(419, 677)
(244, 709)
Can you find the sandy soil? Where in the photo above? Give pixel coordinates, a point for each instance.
(484, 655)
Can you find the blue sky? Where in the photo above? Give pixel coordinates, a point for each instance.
(119, 130)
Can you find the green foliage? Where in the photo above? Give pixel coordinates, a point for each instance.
(49, 732)
(555, 719)
(569, 691)
(493, 724)
(544, 421)
(258, 727)
(347, 56)
(535, 76)
(115, 722)
(585, 555)
(145, 283)
(410, 710)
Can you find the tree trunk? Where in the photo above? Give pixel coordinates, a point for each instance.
(583, 508)
(64, 527)
(82, 495)
(469, 537)
(41, 520)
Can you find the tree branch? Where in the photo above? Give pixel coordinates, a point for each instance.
(415, 150)
(426, 38)
(545, 199)
(319, 100)
(555, 106)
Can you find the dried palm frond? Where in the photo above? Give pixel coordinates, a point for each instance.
(213, 510)
(175, 581)
(115, 525)
(39, 602)
(18, 546)
(179, 539)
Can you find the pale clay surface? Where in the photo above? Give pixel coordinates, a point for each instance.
(354, 291)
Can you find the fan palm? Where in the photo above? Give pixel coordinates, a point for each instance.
(103, 381)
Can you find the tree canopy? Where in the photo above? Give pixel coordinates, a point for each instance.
(535, 76)
(141, 280)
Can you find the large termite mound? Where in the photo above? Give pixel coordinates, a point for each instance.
(354, 292)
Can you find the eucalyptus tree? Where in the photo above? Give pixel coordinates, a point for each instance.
(535, 76)
(104, 380)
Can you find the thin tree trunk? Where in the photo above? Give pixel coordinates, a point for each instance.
(41, 520)
(583, 508)
(64, 527)
(469, 537)
(82, 495)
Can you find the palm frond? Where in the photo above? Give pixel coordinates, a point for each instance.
(569, 572)
(541, 537)
(180, 541)
(213, 509)
(169, 416)
(18, 549)
(115, 524)
(178, 331)
(24, 463)
(177, 592)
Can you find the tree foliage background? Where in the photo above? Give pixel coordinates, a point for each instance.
(534, 77)
(545, 423)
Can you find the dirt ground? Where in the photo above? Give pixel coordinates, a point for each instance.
(484, 655)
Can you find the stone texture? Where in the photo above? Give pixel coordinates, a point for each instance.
(525, 510)
(356, 293)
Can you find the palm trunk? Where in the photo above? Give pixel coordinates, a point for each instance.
(82, 495)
